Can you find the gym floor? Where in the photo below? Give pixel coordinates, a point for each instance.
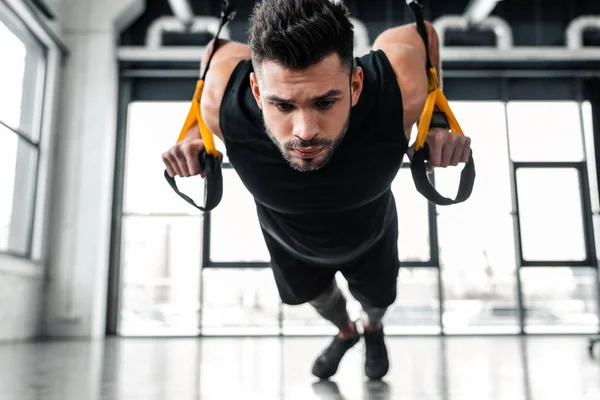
(432, 368)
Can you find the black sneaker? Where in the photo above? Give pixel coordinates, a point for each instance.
(377, 363)
(326, 365)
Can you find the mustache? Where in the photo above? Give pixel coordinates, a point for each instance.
(299, 143)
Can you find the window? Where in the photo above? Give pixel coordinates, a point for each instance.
(413, 219)
(161, 276)
(235, 234)
(239, 300)
(476, 238)
(545, 131)
(560, 299)
(417, 306)
(588, 129)
(21, 82)
(161, 236)
(550, 214)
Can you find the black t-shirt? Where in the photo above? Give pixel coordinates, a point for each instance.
(333, 215)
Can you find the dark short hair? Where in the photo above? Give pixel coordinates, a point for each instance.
(300, 33)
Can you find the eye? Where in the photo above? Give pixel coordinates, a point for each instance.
(324, 104)
(284, 106)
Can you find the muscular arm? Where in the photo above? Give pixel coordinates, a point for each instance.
(224, 61)
(406, 51)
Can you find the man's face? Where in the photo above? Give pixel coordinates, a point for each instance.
(306, 113)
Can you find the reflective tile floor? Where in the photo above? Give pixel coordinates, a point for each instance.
(431, 368)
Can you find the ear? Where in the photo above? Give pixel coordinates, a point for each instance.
(356, 84)
(255, 89)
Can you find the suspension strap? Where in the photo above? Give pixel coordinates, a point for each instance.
(213, 189)
(436, 114)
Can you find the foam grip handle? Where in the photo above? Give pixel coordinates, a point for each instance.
(213, 188)
(439, 120)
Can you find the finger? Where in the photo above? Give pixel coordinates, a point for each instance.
(192, 159)
(435, 149)
(450, 144)
(466, 155)
(458, 152)
(169, 166)
(181, 161)
(174, 165)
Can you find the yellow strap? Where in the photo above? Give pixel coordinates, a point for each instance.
(195, 115)
(435, 98)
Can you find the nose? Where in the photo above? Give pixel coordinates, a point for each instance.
(305, 125)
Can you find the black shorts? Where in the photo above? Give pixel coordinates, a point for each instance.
(371, 280)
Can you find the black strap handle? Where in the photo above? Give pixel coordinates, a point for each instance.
(213, 188)
(438, 120)
(424, 186)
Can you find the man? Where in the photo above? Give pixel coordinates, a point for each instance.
(317, 136)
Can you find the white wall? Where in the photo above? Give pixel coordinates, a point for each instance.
(22, 281)
(21, 298)
(83, 178)
(61, 291)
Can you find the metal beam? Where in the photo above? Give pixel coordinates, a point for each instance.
(448, 54)
(519, 54)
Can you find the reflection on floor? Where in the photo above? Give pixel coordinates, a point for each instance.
(455, 368)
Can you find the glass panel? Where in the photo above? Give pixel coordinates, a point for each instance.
(416, 309)
(18, 161)
(21, 77)
(417, 306)
(485, 124)
(161, 260)
(555, 124)
(235, 222)
(561, 300)
(588, 129)
(478, 274)
(304, 320)
(476, 238)
(413, 219)
(153, 128)
(596, 222)
(240, 301)
(550, 214)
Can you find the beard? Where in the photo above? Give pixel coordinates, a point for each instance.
(309, 164)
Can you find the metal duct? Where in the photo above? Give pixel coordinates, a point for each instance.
(478, 10)
(362, 43)
(183, 11)
(504, 37)
(574, 32)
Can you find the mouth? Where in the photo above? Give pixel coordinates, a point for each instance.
(307, 152)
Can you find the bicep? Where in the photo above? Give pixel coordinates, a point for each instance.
(224, 61)
(411, 76)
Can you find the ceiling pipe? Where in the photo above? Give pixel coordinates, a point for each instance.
(574, 32)
(504, 37)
